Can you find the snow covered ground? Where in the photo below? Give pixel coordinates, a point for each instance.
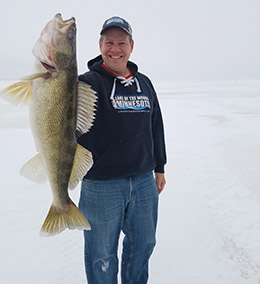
(209, 223)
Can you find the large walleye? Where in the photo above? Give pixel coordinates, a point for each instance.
(60, 107)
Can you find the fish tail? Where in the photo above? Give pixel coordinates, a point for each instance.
(58, 220)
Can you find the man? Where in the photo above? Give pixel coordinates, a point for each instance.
(120, 192)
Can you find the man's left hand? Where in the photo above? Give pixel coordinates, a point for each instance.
(160, 181)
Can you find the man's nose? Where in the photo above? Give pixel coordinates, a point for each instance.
(115, 47)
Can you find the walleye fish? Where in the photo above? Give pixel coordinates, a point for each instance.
(59, 107)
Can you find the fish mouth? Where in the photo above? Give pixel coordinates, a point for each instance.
(64, 23)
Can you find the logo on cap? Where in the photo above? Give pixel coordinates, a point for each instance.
(114, 20)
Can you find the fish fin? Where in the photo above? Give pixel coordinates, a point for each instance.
(58, 220)
(82, 163)
(44, 75)
(18, 93)
(86, 108)
(34, 169)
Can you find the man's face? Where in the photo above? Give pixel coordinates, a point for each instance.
(116, 48)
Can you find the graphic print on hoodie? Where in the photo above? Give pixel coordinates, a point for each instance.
(139, 102)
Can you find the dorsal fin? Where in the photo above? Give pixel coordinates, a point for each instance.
(86, 107)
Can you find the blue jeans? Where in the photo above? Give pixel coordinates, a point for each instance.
(127, 204)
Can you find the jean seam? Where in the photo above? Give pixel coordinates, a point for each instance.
(129, 236)
(130, 256)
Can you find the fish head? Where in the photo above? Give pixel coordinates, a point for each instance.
(56, 47)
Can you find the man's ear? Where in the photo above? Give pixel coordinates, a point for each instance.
(132, 45)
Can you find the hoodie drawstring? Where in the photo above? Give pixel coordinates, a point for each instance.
(138, 86)
(113, 90)
(126, 82)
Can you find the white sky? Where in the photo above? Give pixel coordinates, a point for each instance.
(174, 39)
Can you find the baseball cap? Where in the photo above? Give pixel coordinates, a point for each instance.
(116, 22)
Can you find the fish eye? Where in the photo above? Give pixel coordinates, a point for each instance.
(70, 36)
(73, 28)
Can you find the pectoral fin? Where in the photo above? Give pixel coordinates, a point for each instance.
(86, 107)
(21, 92)
(82, 163)
(44, 75)
(34, 169)
(18, 93)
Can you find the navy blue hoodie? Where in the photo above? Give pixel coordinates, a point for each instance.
(127, 137)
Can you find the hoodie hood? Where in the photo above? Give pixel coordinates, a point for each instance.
(95, 64)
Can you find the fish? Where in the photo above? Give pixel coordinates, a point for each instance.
(61, 108)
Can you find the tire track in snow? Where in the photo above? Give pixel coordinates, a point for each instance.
(241, 260)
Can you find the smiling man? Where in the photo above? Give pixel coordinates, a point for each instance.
(116, 47)
(120, 192)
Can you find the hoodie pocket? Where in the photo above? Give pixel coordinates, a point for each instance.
(126, 155)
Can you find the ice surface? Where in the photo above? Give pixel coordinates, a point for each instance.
(209, 219)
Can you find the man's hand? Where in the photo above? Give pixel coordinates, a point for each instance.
(160, 181)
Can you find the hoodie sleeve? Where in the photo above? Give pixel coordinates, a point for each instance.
(158, 137)
(88, 79)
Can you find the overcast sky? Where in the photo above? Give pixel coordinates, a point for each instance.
(174, 39)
